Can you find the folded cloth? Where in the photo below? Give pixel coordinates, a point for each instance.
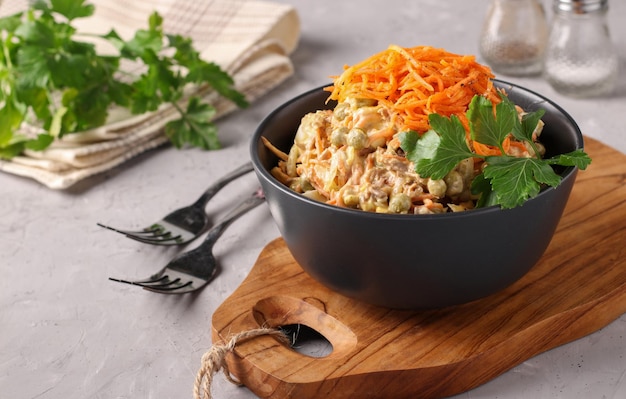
(251, 40)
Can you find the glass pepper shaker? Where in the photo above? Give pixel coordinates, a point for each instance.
(514, 35)
(580, 59)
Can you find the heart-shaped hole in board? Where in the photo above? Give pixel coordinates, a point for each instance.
(316, 333)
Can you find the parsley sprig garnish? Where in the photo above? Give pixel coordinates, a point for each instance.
(51, 75)
(505, 180)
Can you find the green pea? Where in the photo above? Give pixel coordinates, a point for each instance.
(357, 139)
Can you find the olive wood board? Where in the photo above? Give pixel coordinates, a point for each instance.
(577, 287)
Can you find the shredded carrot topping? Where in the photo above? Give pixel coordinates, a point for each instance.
(351, 155)
(415, 82)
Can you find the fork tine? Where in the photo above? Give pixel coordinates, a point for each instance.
(161, 285)
(155, 282)
(163, 239)
(166, 289)
(147, 231)
(152, 279)
(153, 235)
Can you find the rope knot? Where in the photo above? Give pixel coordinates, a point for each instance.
(214, 360)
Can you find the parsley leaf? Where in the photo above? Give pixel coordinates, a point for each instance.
(439, 150)
(577, 158)
(487, 129)
(220, 81)
(145, 40)
(10, 117)
(481, 186)
(194, 127)
(524, 129)
(514, 180)
(418, 148)
(70, 9)
(41, 142)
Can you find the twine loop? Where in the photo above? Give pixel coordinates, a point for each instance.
(214, 360)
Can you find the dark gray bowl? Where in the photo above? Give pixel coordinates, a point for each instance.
(414, 261)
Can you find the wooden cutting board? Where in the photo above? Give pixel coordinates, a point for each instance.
(578, 287)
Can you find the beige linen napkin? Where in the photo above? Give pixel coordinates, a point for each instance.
(251, 40)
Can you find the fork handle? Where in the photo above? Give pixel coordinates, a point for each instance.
(246, 205)
(219, 184)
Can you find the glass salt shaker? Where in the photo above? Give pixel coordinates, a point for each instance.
(514, 35)
(580, 59)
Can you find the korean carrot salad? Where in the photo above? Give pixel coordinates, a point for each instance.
(353, 155)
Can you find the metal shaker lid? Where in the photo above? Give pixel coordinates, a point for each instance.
(580, 6)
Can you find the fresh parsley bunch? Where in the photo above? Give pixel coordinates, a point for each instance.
(505, 180)
(49, 76)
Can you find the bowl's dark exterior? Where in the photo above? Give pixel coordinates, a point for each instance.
(414, 261)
